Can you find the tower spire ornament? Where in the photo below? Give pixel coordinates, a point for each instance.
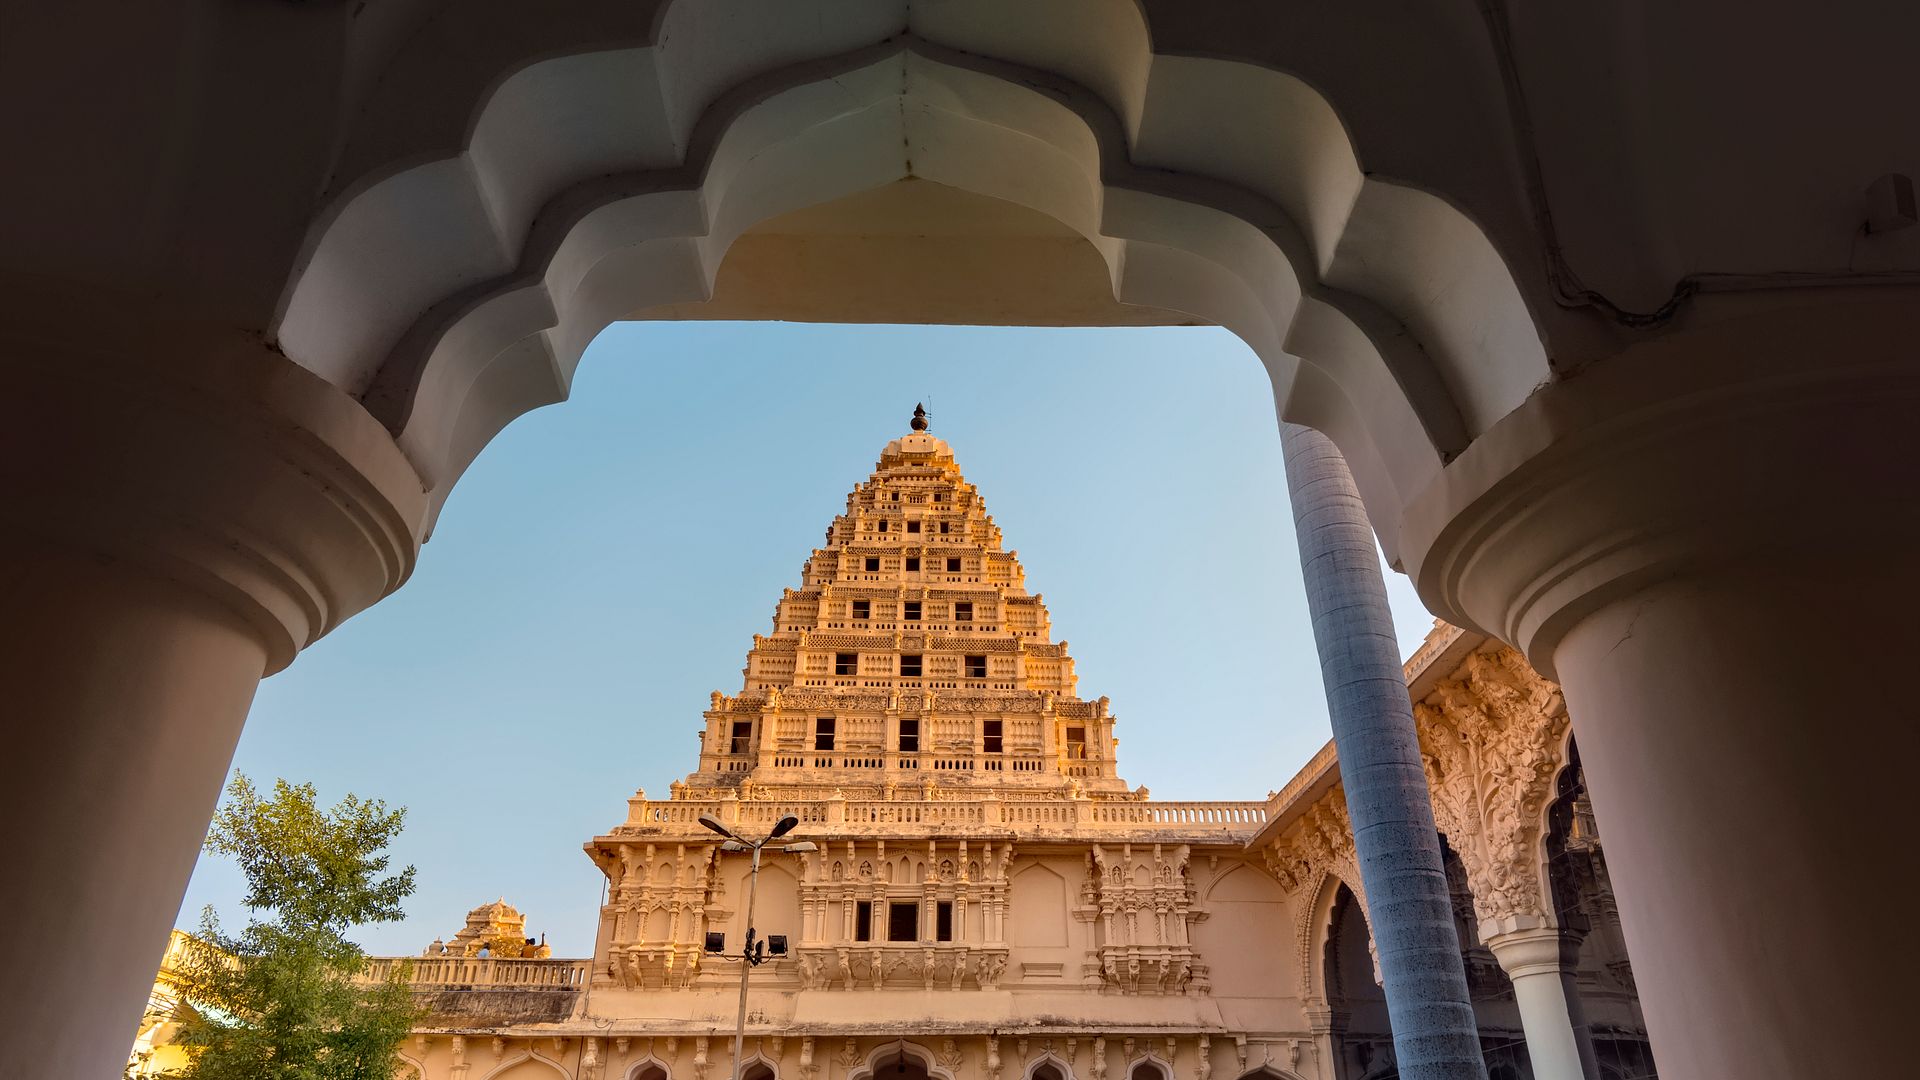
(919, 417)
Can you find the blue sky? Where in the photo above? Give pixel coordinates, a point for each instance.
(603, 566)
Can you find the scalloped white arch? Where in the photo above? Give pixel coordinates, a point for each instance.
(457, 292)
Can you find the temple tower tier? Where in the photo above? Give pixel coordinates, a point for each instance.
(911, 659)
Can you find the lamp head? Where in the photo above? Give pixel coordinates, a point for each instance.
(783, 827)
(734, 845)
(799, 847)
(713, 823)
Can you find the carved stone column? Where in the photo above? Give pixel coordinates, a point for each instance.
(1492, 742)
(184, 512)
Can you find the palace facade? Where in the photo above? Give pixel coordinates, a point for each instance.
(990, 900)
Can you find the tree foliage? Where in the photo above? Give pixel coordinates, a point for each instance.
(286, 997)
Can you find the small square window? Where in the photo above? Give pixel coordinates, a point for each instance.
(742, 736)
(976, 667)
(873, 566)
(823, 733)
(896, 496)
(903, 922)
(846, 663)
(991, 736)
(953, 566)
(863, 609)
(913, 566)
(943, 526)
(909, 736)
(912, 610)
(883, 526)
(963, 611)
(910, 665)
(913, 526)
(1076, 742)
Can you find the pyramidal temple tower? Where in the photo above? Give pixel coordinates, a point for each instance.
(911, 658)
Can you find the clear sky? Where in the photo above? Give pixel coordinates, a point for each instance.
(603, 566)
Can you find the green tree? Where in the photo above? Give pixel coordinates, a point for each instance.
(286, 998)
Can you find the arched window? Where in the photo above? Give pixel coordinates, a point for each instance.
(649, 1070)
(1047, 1070)
(757, 1070)
(1148, 1069)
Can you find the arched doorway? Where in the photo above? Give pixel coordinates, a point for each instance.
(1583, 903)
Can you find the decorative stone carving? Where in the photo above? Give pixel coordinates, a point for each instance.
(1492, 741)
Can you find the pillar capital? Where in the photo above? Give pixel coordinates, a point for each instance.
(1493, 738)
(199, 454)
(1744, 438)
(1534, 950)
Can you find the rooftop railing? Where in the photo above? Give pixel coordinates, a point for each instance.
(1094, 817)
(480, 972)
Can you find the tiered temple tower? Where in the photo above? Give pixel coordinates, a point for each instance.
(911, 657)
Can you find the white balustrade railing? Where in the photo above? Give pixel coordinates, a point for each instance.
(1093, 816)
(480, 972)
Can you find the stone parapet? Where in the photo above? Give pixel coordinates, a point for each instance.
(1106, 820)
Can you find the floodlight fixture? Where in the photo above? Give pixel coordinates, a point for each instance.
(716, 942)
(782, 827)
(777, 944)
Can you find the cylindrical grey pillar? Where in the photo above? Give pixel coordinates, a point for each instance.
(1434, 1033)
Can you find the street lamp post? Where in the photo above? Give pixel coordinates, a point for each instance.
(748, 958)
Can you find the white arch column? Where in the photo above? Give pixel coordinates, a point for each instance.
(1541, 961)
(1709, 541)
(184, 512)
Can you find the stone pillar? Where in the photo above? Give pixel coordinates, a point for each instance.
(184, 512)
(1541, 962)
(1435, 1036)
(1709, 541)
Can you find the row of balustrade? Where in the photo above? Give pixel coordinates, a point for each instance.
(1233, 818)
